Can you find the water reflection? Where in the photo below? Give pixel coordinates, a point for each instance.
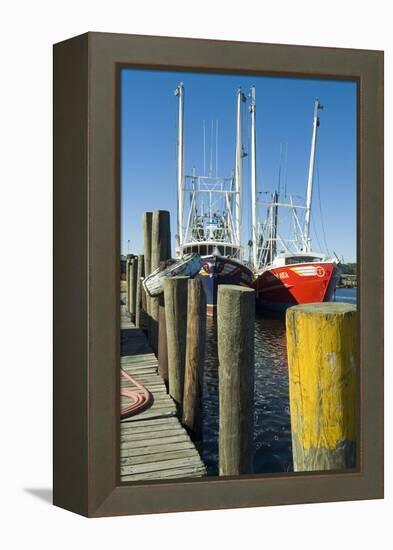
(272, 423)
(272, 436)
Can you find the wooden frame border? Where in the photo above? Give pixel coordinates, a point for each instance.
(86, 273)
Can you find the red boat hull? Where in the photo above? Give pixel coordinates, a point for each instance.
(282, 287)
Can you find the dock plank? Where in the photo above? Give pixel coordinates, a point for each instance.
(153, 443)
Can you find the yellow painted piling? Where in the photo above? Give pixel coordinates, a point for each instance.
(322, 365)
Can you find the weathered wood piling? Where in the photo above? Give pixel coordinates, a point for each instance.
(147, 225)
(235, 338)
(162, 342)
(128, 265)
(175, 295)
(195, 358)
(160, 251)
(322, 364)
(139, 291)
(133, 280)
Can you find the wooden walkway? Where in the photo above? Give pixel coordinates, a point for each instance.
(153, 443)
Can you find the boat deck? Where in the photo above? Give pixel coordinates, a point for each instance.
(153, 443)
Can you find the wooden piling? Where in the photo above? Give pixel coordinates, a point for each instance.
(147, 223)
(130, 282)
(162, 342)
(133, 272)
(175, 295)
(160, 251)
(195, 358)
(235, 339)
(128, 261)
(139, 290)
(322, 364)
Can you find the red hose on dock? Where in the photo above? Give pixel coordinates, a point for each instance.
(140, 401)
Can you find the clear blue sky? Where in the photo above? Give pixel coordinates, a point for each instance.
(284, 115)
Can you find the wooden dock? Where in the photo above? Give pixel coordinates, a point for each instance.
(153, 443)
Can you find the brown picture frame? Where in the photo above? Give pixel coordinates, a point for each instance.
(87, 273)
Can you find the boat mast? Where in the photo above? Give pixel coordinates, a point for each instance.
(310, 182)
(238, 165)
(179, 92)
(252, 110)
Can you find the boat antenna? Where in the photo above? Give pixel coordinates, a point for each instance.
(307, 240)
(211, 150)
(179, 92)
(253, 162)
(216, 148)
(204, 148)
(239, 163)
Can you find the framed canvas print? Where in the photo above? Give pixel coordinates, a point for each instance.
(218, 260)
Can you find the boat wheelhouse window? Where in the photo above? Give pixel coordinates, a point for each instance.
(190, 249)
(302, 259)
(202, 250)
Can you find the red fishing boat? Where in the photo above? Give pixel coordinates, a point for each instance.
(296, 279)
(287, 272)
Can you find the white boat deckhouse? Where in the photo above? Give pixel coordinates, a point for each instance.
(209, 210)
(209, 213)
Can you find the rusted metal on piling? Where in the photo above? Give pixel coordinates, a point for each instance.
(322, 365)
(235, 338)
(195, 359)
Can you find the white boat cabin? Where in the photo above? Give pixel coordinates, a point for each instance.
(288, 258)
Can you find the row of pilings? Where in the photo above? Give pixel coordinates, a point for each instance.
(321, 350)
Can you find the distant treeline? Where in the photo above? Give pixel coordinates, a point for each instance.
(348, 269)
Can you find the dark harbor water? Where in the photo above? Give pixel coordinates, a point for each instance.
(272, 435)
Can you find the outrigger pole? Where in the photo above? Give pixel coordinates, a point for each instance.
(179, 92)
(252, 109)
(238, 166)
(310, 182)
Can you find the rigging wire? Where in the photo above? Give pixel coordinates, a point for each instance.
(211, 149)
(216, 148)
(316, 232)
(279, 171)
(249, 223)
(320, 208)
(286, 170)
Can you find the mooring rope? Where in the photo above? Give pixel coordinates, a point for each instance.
(140, 401)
